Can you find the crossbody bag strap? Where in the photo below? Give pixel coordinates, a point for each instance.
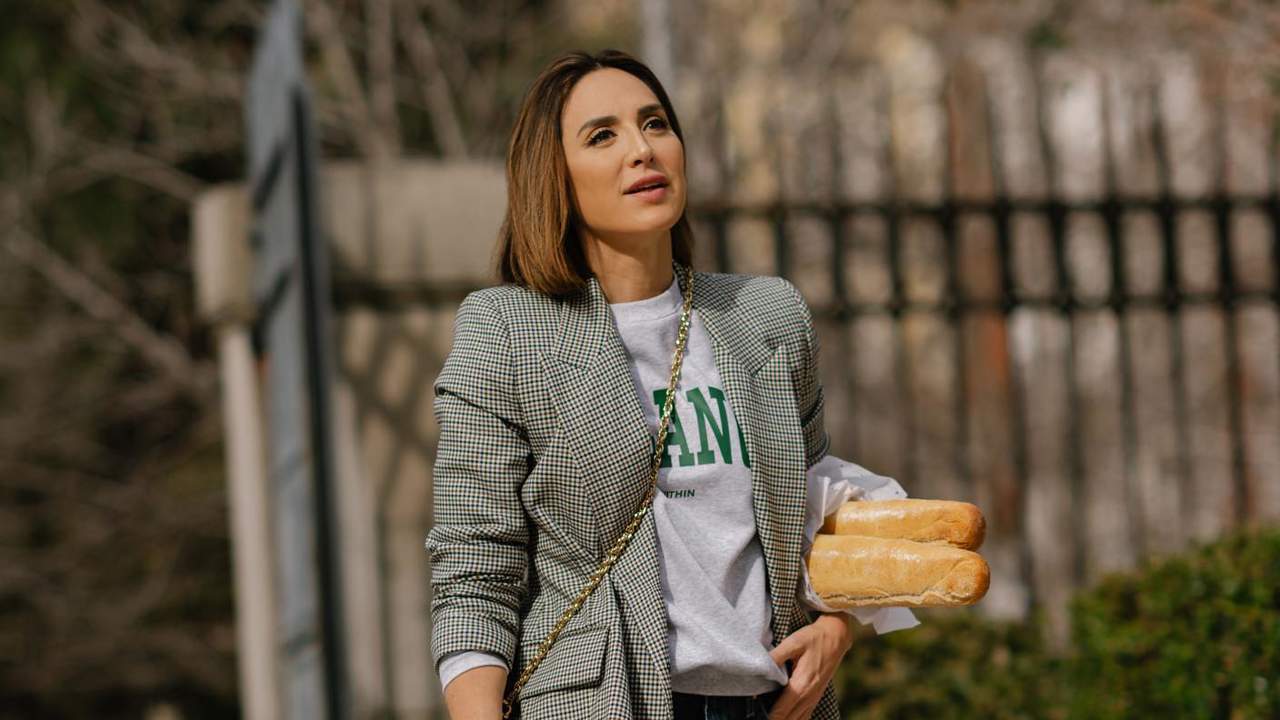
(611, 557)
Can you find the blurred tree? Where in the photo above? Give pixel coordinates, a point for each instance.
(114, 573)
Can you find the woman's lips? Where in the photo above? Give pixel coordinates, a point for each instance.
(653, 195)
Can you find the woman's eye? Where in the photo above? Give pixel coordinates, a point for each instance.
(605, 133)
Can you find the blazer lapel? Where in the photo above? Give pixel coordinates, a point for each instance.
(757, 380)
(588, 375)
(589, 378)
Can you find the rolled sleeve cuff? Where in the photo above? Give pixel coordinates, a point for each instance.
(456, 663)
(455, 632)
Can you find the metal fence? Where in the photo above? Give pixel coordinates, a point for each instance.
(1099, 374)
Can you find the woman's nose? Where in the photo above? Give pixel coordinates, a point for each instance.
(641, 151)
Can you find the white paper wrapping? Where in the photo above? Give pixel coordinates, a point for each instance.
(833, 482)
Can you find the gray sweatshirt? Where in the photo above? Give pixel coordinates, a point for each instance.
(712, 565)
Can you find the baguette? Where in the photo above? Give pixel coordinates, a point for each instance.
(849, 571)
(949, 522)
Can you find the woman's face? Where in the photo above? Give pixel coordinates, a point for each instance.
(616, 134)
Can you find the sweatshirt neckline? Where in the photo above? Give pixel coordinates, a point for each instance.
(663, 305)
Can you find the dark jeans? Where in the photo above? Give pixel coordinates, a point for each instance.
(723, 707)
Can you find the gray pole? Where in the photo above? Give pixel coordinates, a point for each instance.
(291, 289)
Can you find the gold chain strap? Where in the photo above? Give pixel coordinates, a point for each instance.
(508, 703)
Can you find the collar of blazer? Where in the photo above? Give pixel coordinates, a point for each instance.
(588, 378)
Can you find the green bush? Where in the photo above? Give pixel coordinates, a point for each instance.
(1193, 636)
(954, 665)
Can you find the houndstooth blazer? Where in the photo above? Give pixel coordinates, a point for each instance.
(544, 456)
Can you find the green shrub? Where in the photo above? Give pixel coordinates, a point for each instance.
(1192, 636)
(954, 665)
(1195, 636)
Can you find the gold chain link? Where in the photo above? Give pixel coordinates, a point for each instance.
(611, 557)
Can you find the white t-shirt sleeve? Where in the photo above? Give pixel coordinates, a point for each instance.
(831, 483)
(456, 663)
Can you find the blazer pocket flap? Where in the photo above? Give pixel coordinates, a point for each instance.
(575, 660)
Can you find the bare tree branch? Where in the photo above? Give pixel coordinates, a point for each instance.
(103, 161)
(454, 32)
(435, 87)
(181, 69)
(44, 111)
(165, 353)
(380, 31)
(341, 72)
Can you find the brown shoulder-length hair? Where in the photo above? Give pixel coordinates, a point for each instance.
(539, 247)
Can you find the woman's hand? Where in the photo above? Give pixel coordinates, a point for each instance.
(817, 650)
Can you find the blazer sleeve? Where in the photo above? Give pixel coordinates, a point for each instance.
(478, 540)
(809, 395)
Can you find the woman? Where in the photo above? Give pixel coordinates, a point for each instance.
(548, 406)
